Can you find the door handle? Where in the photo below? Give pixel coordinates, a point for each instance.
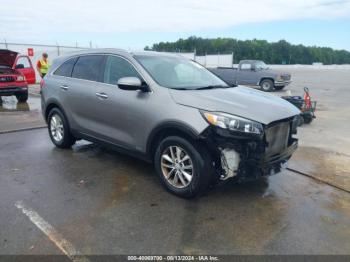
(102, 95)
(64, 87)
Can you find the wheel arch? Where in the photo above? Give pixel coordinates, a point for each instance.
(166, 129)
(267, 78)
(53, 103)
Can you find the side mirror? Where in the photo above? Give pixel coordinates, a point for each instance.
(253, 68)
(19, 66)
(131, 84)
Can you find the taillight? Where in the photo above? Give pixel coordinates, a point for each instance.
(42, 83)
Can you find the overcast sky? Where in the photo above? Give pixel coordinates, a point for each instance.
(136, 23)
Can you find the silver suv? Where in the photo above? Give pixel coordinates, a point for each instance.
(171, 111)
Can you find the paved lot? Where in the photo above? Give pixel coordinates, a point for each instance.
(101, 202)
(16, 115)
(324, 150)
(106, 203)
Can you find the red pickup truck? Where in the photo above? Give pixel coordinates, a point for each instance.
(16, 72)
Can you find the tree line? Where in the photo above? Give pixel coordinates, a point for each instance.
(280, 52)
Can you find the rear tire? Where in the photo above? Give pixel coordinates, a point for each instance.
(22, 97)
(59, 130)
(175, 173)
(267, 85)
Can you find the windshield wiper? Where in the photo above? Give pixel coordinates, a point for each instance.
(179, 88)
(211, 87)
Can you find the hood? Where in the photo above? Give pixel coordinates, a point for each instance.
(7, 57)
(240, 101)
(280, 72)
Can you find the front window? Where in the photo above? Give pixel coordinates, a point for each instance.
(116, 68)
(23, 62)
(179, 73)
(260, 65)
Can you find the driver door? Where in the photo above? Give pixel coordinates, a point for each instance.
(24, 65)
(119, 113)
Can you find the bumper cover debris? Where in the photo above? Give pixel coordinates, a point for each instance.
(247, 157)
(229, 162)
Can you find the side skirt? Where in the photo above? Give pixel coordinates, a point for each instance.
(120, 149)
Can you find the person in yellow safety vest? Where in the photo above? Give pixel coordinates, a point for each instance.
(43, 65)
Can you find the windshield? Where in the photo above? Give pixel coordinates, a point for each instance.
(179, 73)
(260, 65)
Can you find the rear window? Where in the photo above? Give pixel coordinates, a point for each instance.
(66, 68)
(89, 68)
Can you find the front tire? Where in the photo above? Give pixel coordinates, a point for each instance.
(22, 97)
(184, 168)
(267, 85)
(59, 129)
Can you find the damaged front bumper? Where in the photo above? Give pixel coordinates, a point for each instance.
(248, 157)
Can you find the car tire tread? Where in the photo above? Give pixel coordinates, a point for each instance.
(22, 97)
(68, 139)
(271, 88)
(202, 162)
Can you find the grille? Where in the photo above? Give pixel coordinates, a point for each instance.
(6, 79)
(277, 138)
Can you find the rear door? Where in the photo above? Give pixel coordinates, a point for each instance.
(24, 65)
(80, 92)
(58, 83)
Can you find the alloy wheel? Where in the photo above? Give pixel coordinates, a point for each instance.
(177, 166)
(56, 128)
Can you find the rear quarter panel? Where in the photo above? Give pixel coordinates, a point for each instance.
(229, 75)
